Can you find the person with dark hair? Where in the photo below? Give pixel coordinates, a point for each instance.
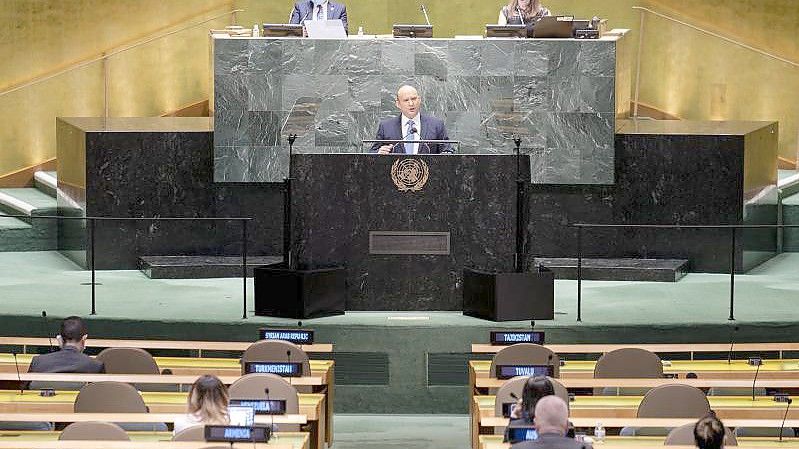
(552, 424)
(318, 10)
(207, 403)
(70, 359)
(709, 432)
(524, 410)
(522, 12)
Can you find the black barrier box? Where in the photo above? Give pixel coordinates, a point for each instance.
(509, 296)
(284, 293)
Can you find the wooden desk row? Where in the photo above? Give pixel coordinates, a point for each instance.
(191, 345)
(140, 440)
(690, 348)
(495, 442)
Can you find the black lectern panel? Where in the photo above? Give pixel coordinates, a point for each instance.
(341, 199)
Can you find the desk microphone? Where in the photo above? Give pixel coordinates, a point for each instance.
(732, 342)
(521, 16)
(426, 17)
(782, 426)
(271, 415)
(45, 329)
(19, 378)
(288, 356)
(550, 364)
(754, 381)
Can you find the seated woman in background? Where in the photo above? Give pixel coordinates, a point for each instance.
(524, 410)
(709, 432)
(522, 12)
(207, 404)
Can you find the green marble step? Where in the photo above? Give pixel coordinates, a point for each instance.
(7, 223)
(46, 181)
(790, 216)
(25, 201)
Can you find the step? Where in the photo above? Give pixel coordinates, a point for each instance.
(9, 223)
(790, 216)
(46, 181)
(26, 201)
(200, 267)
(651, 270)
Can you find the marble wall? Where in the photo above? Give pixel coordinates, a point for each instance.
(558, 95)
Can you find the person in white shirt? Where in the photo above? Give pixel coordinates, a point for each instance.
(411, 126)
(207, 404)
(318, 10)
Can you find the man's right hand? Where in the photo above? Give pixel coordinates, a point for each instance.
(385, 149)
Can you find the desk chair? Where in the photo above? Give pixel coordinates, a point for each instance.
(103, 431)
(276, 351)
(253, 386)
(669, 401)
(128, 361)
(193, 433)
(525, 354)
(627, 363)
(115, 397)
(684, 436)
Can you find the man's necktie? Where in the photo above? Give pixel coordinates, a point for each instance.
(319, 13)
(409, 137)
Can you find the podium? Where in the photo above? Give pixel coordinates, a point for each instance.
(509, 296)
(299, 293)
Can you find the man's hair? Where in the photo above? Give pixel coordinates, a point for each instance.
(551, 413)
(73, 328)
(709, 432)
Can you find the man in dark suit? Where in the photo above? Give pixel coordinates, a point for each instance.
(410, 126)
(70, 359)
(551, 422)
(319, 10)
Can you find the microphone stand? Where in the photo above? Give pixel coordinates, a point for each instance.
(518, 257)
(288, 260)
(426, 17)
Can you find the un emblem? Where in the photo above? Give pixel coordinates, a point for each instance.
(410, 175)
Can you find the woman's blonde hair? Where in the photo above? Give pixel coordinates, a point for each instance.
(533, 10)
(208, 400)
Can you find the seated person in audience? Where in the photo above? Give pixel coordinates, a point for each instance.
(522, 12)
(411, 125)
(552, 423)
(709, 432)
(524, 410)
(207, 403)
(70, 359)
(318, 10)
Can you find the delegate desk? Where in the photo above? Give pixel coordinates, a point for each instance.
(189, 345)
(660, 348)
(140, 440)
(186, 369)
(613, 442)
(602, 408)
(312, 409)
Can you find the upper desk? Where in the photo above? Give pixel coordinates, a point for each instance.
(561, 96)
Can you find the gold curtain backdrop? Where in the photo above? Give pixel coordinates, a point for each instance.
(683, 72)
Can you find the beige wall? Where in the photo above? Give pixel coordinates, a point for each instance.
(40, 37)
(683, 72)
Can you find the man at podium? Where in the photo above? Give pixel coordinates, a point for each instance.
(411, 126)
(318, 10)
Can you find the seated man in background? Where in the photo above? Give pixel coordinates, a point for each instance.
(552, 423)
(410, 126)
(709, 432)
(70, 359)
(318, 10)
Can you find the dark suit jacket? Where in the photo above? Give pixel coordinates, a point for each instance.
(432, 129)
(304, 10)
(67, 360)
(551, 441)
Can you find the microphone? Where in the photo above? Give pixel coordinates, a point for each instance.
(271, 415)
(521, 16)
(288, 356)
(782, 426)
(426, 17)
(757, 370)
(550, 364)
(19, 378)
(45, 330)
(732, 342)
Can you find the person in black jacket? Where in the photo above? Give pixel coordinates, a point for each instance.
(524, 411)
(551, 422)
(70, 359)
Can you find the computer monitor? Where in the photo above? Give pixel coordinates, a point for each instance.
(554, 27)
(506, 31)
(282, 30)
(413, 31)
